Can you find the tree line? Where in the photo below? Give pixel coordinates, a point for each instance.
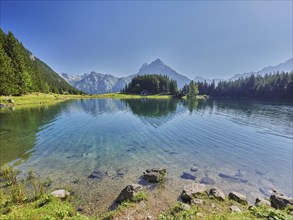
(22, 73)
(151, 84)
(275, 86)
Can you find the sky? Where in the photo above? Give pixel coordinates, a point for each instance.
(212, 39)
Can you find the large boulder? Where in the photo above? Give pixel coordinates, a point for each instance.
(61, 193)
(128, 192)
(192, 190)
(154, 175)
(279, 201)
(217, 193)
(238, 197)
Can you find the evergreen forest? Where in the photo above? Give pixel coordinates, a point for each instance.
(151, 84)
(272, 86)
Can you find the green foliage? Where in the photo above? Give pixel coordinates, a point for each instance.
(178, 212)
(21, 73)
(277, 86)
(193, 90)
(16, 203)
(139, 197)
(269, 213)
(151, 84)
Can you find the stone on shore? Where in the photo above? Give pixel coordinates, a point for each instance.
(10, 101)
(261, 201)
(234, 208)
(238, 197)
(217, 193)
(61, 193)
(128, 192)
(154, 175)
(192, 190)
(279, 201)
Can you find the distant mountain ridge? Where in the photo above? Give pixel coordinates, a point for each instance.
(287, 66)
(97, 83)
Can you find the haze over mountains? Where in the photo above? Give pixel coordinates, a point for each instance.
(98, 83)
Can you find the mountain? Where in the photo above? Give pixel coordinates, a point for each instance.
(209, 81)
(21, 72)
(287, 66)
(97, 83)
(158, 67)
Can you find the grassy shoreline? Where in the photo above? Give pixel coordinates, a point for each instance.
(46, 99)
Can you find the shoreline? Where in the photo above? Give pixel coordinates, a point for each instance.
(196, 201)
(39, 99)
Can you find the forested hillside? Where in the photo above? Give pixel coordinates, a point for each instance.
(22, 73)
(278, 85)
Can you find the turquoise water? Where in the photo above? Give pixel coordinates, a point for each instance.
(248, 140)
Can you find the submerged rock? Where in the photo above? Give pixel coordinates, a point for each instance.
(279, 201)
(192, 190)
(207, 181)
(154, 175)
(97, 174)
(238, 197)
(236, 178)
(61, 193)
(266, 191)
(217, 193)
(187, 176)
(193, 168)
(128, 192)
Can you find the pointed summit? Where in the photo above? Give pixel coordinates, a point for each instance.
(157, 62)
(159, 67)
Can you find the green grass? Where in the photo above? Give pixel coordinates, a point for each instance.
(47, 99)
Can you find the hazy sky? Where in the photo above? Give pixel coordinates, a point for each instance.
(206, 38)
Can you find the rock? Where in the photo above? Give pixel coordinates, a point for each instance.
(234, 208)
(128, 192)
(197, 201)
(217, 193)
(10, 101)
(61, 193)
(261, 201)
(199, 215)
(279, 201)
(97, 174)
(120, 172)
(187, 176)
(2, 105)
(234, 178)
(185, 206)
(192, 190)
(193, 168)
(207, 181)
(154, 175)
(259, 172)
(238, 197)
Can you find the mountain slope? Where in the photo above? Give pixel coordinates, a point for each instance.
(21, 72)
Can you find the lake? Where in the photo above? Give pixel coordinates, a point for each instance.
(244, 146)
